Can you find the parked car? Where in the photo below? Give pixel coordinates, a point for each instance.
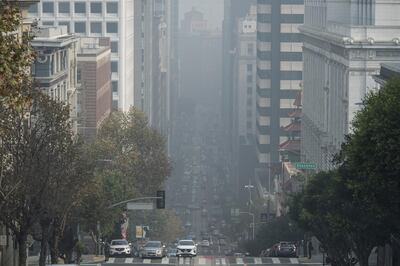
(283, 249)
(153, 249)
(186, 248)
(119, 247)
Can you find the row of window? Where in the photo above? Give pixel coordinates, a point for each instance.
(79, 8)
(95, 28)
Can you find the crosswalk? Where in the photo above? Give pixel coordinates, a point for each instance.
(205, 261)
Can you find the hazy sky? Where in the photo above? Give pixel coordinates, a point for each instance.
(213, 10)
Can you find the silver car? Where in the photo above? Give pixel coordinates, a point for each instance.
(153, 249)
(119, 247)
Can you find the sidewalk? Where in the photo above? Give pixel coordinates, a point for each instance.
(315, 259)
(90, 258)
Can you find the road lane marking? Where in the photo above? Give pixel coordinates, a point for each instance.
(239, 261)
(165, 260)
(180, 260)
(147, 261)
(257, 261)
(294, 261)
(217, 261)
(187, 261)
(111, 260)
(223, 261)
(276, 261)
(202, 261)
(129, 260)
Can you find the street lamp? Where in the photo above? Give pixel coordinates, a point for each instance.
(252, 216)
(249, 187)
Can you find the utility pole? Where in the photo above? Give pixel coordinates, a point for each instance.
(253, 224)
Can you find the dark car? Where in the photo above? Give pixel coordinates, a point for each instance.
(285, 249)
(153, 249)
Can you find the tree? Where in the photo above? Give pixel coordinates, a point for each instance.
(131, 162)
(279, 229)
(16, 56)
(370, 162)
(33, 141)
(323, 208)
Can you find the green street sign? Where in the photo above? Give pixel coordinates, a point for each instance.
(305, 166)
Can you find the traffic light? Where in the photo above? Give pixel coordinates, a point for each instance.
(160, 199)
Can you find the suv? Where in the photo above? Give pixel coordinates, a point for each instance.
(119, 247)
(186, 248)
(285, 249)
(153, 249)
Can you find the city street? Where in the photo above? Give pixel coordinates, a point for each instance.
(212, 261)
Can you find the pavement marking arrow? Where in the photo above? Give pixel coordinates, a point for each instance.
(239, 261)
(129, 260)
(223, 261)
(165, 260)
(217, 261)
(147, 261)
(294, 260)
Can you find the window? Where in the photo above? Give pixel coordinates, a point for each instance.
(249, 78)
(79, 75)
(63, 7)
(95, 8)
(250, 48)
(114, 85)
(80, 27)
(112, 8)
(249, 67)
(64, 23)
(33, 9)
(48, 7)
(114, 47)
(95, 27)
(80, 7)
(114, 66)
(112, 27)
(48, 23)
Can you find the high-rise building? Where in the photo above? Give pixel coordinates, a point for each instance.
(344, 44)
(94, 79)
(55, 67)
(279, 77)
(156, 79)
(233, 11)
(94, 18)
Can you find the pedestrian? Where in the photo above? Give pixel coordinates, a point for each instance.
(310, 248)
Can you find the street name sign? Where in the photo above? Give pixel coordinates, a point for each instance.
(305, 166)
(139, 206)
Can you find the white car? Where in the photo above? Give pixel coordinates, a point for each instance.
(120, 247)
(205, 243)
(186, 248)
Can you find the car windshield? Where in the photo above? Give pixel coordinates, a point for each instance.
(186, 243)
(119, 242)
(153, 245)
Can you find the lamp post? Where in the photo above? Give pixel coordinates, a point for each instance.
(249, 187)
(252, 216)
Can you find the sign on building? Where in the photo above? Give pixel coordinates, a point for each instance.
(305, 166)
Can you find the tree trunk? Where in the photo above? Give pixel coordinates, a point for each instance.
(54, 240)
(22, 237)
(45, 226)
(43, 250)
(363, 256)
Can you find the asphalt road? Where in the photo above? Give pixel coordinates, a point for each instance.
(209, 261)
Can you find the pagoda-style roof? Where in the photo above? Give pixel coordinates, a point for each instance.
(294, 126)
(291, 145)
